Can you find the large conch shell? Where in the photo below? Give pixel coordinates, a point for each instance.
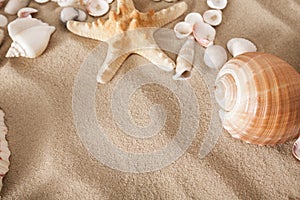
(30, 37)
(260, 99)
(4, 150)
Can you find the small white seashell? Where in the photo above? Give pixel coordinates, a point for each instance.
(193, 18)
(109, 1)
(3, 21)
(296, 149)
(213, 17)
(13, 6)
(41, 1)
(171, 1)
(185, 60)
(1, 36)
(97, 8)
(156, 0)
(64, 3)
(215, 56)
(217, 4)
(26, 12)
(204, 34)
(237, 46)
(70, 13)
(4, 150)
(183, 30)
(30, 37)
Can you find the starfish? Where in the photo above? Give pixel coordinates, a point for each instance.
(126, 29)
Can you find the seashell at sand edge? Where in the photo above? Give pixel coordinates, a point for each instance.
(260, 99)
(1, 36)
(30, 37)
(4, 150)
(296, 149)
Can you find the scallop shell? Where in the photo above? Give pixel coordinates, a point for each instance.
(217, 4)
(30, 37)
(238, 46)
(296, 149)
(97, 8)
(13, 6)
(183, 30)
(193, 18)
(1, 36)
(26, 12)
(213, 17)
(3, 21)
(204, 34)
(185, 59)
(215, 56)
(4, 150)
(260, 99)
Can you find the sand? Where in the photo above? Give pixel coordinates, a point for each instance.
(49, 160)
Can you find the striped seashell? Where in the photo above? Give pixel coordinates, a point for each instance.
(260, 99)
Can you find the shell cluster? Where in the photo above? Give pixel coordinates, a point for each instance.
(260, 99)
(201, 27)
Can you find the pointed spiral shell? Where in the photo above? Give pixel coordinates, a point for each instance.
(260, 99)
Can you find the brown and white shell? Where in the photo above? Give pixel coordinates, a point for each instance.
(4, 150)
(260, 99)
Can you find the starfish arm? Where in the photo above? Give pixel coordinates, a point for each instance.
(158, 58)
(110, 68)
(95, 30)
(125, 6)
(164, 16)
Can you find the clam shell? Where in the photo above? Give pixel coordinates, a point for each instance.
(204, 34)
(70, 13)
(185, 60)
(260, 99)
(1, 36)
(193, 18)
(30, 37)
(4, 150)
(217, 4)
(183, 30)
(3, 21)
(296, 149)
(13, 6)
(215, 56)
(238, 46)
(97, 8)
(213, 17)
(26, 12)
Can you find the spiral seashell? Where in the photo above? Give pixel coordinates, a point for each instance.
(260, 99)
(30, 37)
(185, 60)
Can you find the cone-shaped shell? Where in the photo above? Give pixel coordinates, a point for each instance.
(260, 99)
(30, 37)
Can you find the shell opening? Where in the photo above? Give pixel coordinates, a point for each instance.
(226, 92)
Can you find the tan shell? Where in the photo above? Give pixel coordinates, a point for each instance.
(4, 150)
(260, 99)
